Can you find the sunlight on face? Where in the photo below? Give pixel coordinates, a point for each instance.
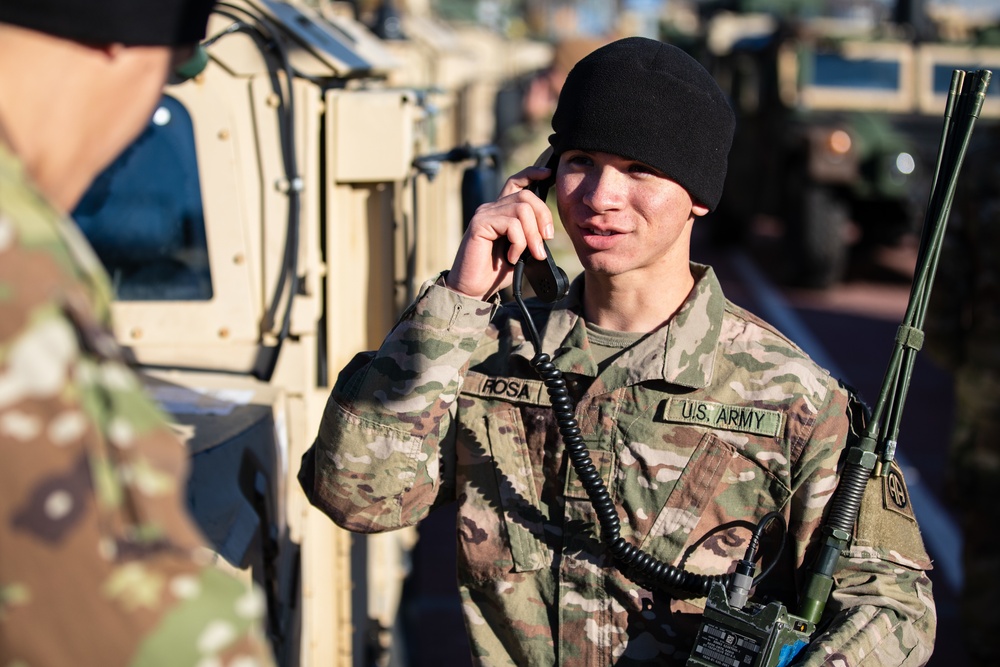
(623, 216)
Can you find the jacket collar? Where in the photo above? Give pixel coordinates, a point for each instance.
(682, 352)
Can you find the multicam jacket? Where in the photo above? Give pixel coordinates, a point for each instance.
(100, 565)
(699, 430)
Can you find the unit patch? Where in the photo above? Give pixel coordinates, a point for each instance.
(740, 418)
(895, 496)
(886, 523)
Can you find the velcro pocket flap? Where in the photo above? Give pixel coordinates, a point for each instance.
(518, 494)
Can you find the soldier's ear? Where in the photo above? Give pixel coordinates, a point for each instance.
(110, 50)
(698, 209)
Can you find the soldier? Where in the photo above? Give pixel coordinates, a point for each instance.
(700, 418)
(963, 336)
(99, 563)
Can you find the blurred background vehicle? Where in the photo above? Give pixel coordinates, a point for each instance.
(839, 108)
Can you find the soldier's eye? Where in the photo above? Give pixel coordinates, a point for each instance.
(640, 168)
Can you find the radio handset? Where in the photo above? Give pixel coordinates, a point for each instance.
(549, 282)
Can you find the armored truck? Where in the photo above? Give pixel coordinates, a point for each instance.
(838, 123)
(273, 219)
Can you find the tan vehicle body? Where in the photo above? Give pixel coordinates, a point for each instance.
(370, 228)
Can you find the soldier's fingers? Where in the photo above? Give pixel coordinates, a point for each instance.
(520, 219)
(517, 240)
(536, 224)
(523, 179)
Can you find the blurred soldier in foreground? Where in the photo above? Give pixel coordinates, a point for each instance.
(99, 563)
(963, 335)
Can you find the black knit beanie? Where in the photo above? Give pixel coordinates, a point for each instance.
(130, 22)
(648, 101)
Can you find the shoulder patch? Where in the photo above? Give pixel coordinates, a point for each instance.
(740, 418)
(895, 495)
(886, 522)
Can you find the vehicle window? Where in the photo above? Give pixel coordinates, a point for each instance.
(143, 215)
(833, 70)
(941, 78)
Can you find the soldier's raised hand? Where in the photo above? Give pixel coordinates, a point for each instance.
(497, 235)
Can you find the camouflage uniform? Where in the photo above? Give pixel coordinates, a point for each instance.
(963, 335)
(702, 426)
(99, 564)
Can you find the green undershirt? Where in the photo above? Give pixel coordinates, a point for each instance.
(606, 345)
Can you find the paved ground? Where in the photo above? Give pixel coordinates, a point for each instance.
(852, 326)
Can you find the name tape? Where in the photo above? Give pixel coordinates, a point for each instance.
(741, 418)
(527, 391)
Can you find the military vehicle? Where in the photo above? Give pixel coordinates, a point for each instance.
(276, 215)
(838, 121)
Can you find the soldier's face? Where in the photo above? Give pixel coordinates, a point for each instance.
(624, 216)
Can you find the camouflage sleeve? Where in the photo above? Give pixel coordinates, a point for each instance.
(100, 563)
(384, 453)
(881, 611)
